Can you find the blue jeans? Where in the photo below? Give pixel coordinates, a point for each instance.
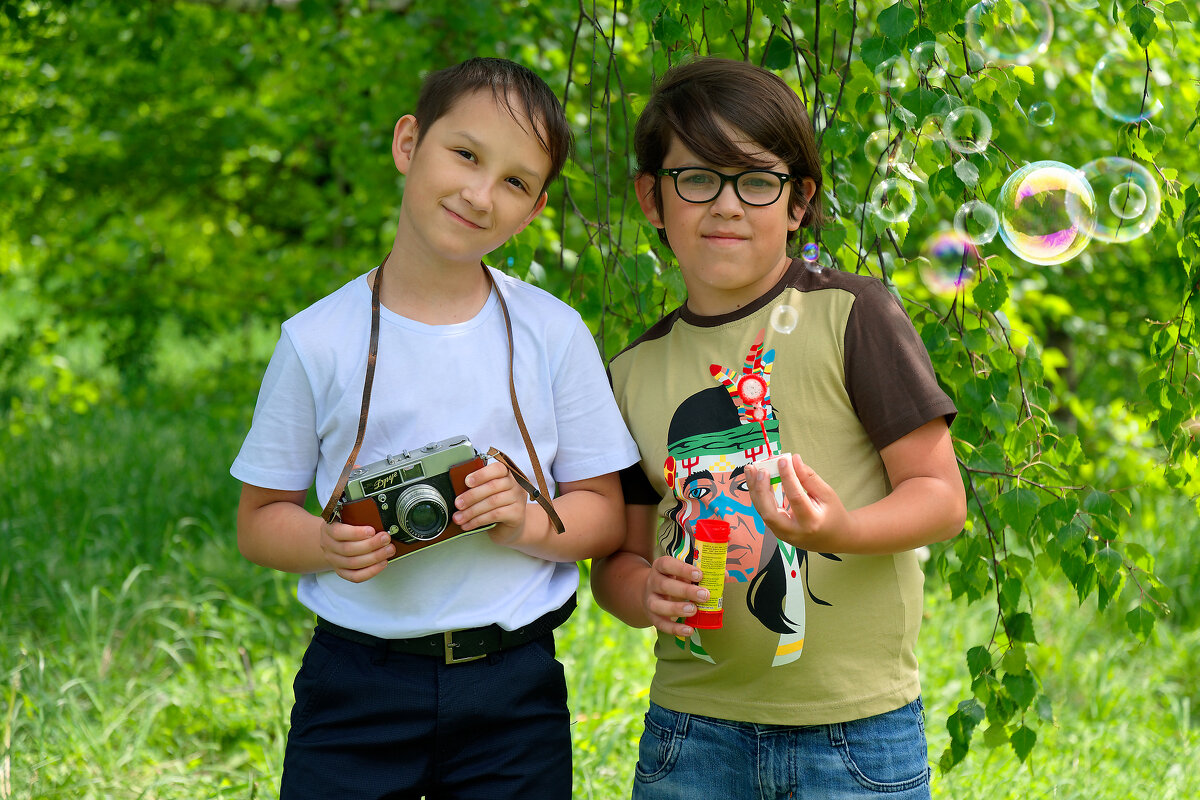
(369, 724)
(686, 757)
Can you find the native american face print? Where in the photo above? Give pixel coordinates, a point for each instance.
(713, 435)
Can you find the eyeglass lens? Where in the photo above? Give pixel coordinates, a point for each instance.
(699, 185)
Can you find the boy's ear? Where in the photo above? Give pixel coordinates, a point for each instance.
(646, 186)
(537, 209)
(807, 188)
(404, 142)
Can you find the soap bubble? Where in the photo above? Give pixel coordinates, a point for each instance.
(893, 200)
(784, 318)
(884, 153)
(894, 73)
(950, 263)
(931, 128)
(1021, 40)
(1123, 90)
(1127, 200)
(1041, 114)
(976, 221)
(1035, 208)
(930, 59)
(1134, 200)
(967, 130)
(810, 252)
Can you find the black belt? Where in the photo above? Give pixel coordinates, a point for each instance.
(459, 646)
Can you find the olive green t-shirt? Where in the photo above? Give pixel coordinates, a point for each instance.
(807, 638)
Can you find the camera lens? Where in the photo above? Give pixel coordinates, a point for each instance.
(422, 513)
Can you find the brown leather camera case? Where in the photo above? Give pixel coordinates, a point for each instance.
(366, 512)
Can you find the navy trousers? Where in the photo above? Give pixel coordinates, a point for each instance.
(369, 723)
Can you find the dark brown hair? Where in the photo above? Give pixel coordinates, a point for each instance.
(699, 101)
(510, 83)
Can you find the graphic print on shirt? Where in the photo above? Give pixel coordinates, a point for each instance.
(713, 435)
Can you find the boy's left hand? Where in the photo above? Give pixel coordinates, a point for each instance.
(493, 495)
(813, 518)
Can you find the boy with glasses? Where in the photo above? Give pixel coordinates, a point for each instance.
(810, 688)
(435, 674)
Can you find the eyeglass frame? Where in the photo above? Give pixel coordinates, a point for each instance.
(676, 171)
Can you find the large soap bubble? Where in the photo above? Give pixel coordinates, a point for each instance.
(1122, 88)
(1039, 206)
(893, 200)
(949, 263)
(1128, 200)
(1021, 39)
(967, 130)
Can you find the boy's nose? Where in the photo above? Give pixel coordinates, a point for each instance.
(727, 203)
(479, 194)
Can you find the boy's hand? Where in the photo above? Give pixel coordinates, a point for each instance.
(671, 593)
(493, 495)
(355, 552)
(813, 518)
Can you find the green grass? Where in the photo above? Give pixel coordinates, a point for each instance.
(142, 657)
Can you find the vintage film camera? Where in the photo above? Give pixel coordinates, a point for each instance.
(411, 495)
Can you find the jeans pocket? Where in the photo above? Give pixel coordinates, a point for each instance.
(888, 752)
(660, 745)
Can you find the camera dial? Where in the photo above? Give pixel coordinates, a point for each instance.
(421, 512)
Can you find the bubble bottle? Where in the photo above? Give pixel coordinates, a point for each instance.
(711, 539)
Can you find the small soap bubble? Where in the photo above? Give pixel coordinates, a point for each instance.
(950, 263)
(1020, 40)
(1134, 200)
(1122, 89)
(810, 252)
(894, 74)
(977, 222)
(885, 150)
(931, 128)
(1035, 221)
(930, 60)
(893, 200)
(784, 318)
(1127, 200)
(1041, 114)
(967, 130)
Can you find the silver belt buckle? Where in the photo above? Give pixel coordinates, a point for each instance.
(449, 650)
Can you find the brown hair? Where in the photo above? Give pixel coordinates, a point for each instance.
(510, 83)
(700, 100)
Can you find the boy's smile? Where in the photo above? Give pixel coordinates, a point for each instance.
(729, 252)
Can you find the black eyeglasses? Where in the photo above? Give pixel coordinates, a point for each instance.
(754, 187)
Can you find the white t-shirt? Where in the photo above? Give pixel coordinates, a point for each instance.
(433, 382)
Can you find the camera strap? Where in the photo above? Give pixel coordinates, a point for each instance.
(539, 494)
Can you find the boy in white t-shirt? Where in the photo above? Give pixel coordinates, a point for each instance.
(435, 673)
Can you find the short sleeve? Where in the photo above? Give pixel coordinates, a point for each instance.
(281, 449)
(889, 376)
(592, 437)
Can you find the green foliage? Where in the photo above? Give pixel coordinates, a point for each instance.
(188, 172)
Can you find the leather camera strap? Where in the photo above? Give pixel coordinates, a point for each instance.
(372, 352)
(540, 494)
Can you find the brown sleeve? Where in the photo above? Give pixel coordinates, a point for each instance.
(889, 376)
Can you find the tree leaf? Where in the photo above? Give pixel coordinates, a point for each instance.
(1023, 740)
(896, 21)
